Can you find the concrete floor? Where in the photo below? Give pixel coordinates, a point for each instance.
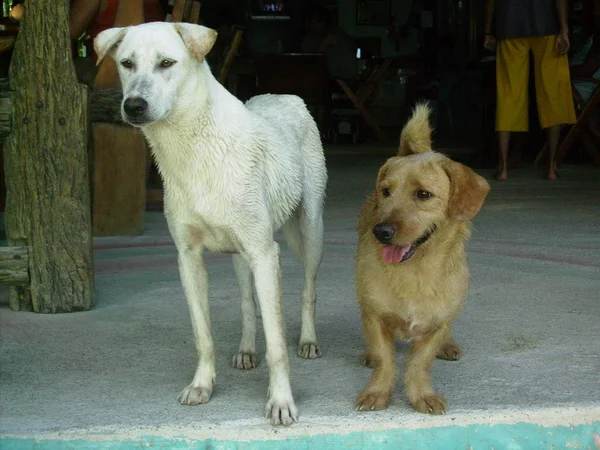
(530, 331)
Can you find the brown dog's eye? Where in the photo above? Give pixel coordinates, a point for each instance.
(423, 195)
(385, 192)
(127, 63)
(166, 63)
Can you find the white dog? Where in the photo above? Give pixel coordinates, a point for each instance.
(233, 175)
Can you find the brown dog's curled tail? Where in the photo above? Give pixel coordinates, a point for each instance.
(416, 135)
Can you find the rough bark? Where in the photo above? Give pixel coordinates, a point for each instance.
(48, 197)
(14, 266)
(5, 109)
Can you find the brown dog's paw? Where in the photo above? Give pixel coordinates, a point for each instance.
(372, 400)
(368, 361)
(432, 404)
(450, 351)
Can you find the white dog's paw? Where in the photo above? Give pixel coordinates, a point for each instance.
(193, 396)
(282, 411)
(309, 351)
(244, 361)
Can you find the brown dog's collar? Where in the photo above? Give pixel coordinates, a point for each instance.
(425, 236)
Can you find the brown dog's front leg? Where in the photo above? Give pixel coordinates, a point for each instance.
(382, 353)
(450, 351)
(419, 389)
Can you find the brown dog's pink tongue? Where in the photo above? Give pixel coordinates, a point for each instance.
(393, 254)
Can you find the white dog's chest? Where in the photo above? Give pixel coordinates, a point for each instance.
(217, 240)
(199, 220)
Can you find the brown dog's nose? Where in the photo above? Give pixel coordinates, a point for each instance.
(384, 232)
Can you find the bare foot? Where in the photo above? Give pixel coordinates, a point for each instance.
(502, 175)
(552, 175)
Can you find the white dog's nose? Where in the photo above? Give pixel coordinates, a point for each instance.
(135, 106)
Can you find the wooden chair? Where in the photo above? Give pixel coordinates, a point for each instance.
(585, 129)
(364, 90)
(185, 11)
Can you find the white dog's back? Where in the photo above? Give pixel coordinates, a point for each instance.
(295, 141)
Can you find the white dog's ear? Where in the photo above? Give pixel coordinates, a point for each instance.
(416, 135)
(107, 42)
(467, 191)
(199, 40)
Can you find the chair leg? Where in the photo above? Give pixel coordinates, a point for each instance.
(363, 111)
(234, 45)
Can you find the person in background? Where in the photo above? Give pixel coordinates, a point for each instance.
(339, 48)
(539, 27)
(585, 63)
(87, 18)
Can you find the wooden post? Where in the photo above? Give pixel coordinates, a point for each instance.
(119, 154)
(48, 197)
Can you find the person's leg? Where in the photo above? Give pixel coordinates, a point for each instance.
(503, 146)
(512, 73)
(553, 92)
(553, 138)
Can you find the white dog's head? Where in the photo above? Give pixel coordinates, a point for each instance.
(154, 61)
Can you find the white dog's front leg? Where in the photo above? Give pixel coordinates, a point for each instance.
(195, 285)
(245, 358)
(267, 279)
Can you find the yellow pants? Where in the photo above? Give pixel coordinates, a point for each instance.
(552, 84)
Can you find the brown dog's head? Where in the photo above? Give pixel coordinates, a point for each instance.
(420, 190)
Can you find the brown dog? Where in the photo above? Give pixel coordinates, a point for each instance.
(411, 268)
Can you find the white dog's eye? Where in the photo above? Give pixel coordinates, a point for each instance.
(127, 63)
(423, 195)
(166, 63)
(385, 192)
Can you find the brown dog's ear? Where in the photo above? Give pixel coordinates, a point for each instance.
(199, 40)
(416, 135)
(107, 41)
(467, 191)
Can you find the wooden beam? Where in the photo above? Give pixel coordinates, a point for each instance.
(105, 105)
(47, 181)
(14, 266)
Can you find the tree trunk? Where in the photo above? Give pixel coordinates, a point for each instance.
(14, 266)
(48, 197)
